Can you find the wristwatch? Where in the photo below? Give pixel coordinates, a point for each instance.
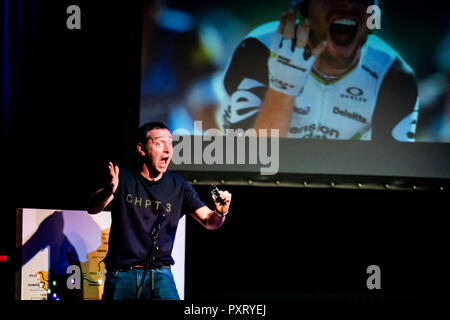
(222, 215)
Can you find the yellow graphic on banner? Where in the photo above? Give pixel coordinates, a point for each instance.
(93, 270)
(42, 276)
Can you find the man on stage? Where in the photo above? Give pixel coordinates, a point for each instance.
(139, 198)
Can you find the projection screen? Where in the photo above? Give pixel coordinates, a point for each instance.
(372, 107)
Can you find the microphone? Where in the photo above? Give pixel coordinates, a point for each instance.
(154, 231)
(216, 195)
(161, 216)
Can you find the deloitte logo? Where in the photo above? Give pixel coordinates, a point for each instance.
(352, 115)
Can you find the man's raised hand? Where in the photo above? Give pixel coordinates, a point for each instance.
(114, 177)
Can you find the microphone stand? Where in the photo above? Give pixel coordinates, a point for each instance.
(152, 253)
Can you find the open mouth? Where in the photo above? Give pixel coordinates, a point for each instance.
(164, 161)
(343, 31)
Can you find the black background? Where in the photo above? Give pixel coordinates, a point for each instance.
(74, 98)
(74, 105)
(297, 243)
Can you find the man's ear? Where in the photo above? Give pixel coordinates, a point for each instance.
(141, 149)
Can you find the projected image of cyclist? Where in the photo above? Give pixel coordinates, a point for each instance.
(321, 73)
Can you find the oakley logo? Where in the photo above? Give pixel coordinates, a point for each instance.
(354, 93)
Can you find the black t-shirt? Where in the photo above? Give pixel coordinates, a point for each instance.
(136, 205)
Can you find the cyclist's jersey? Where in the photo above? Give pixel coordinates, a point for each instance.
(377, 98)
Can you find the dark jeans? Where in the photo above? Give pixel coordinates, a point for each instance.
(123, 285)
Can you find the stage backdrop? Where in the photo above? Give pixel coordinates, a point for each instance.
(62, 253)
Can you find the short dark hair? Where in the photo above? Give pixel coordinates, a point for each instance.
(141, 135)
(133, 160)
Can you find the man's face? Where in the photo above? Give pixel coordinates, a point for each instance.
(342, 23)
(159, 150)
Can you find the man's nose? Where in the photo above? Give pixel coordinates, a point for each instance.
(167, 147)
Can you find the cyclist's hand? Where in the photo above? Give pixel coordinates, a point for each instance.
(288, 67)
